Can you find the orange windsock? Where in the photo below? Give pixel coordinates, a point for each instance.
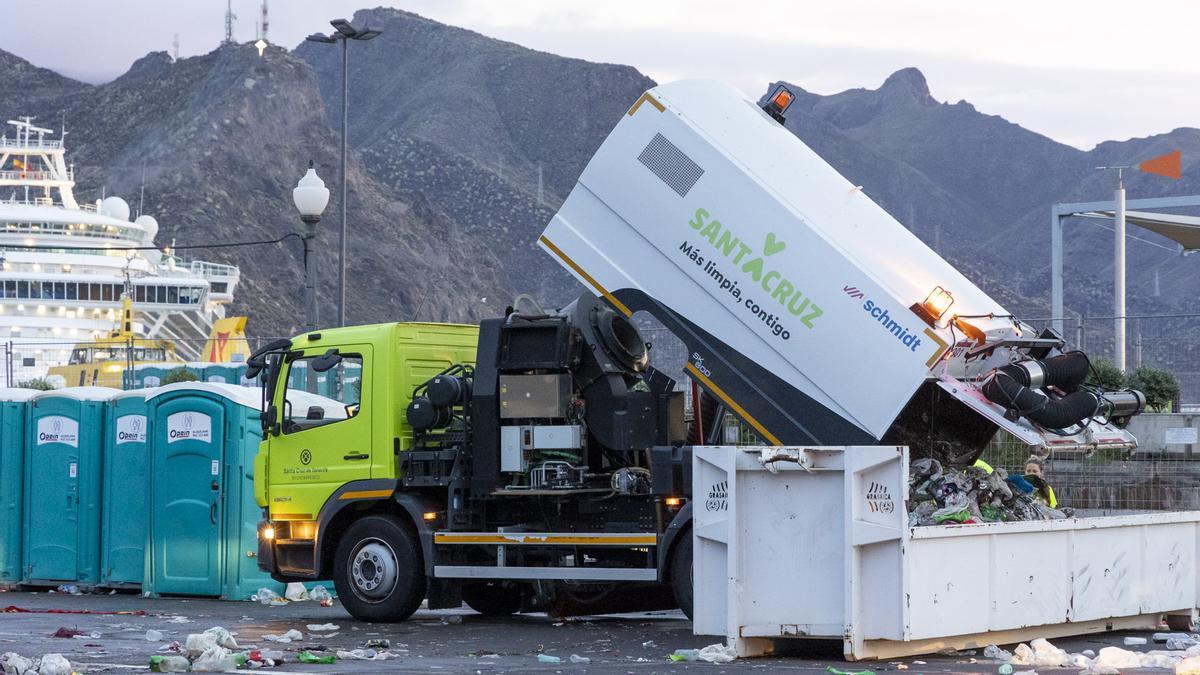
(1169, 165)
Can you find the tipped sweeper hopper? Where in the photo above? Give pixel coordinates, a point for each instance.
(849, 345)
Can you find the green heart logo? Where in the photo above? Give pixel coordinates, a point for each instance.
(771, 247)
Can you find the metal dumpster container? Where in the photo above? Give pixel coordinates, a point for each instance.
(124, 509)
(203, 519)
(821, 548)
(63, 462)
(12, 487)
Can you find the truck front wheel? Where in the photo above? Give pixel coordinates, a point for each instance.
(378, 570)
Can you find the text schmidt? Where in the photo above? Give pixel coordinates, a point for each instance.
(910, 340)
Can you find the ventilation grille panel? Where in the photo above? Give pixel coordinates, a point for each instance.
(669, 163)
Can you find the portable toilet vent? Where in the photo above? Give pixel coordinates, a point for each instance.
(63, 460)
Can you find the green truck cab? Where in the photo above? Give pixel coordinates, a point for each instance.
(509, 465)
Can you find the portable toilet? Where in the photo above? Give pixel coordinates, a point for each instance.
(203, 519)
(351, 384)
(199, 369)
(252, 382)
(298, 376)
(64, 446)
(228, 373)
(124, 508)
(12, 450)
(148, 375)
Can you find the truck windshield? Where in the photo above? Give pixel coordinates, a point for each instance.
(313, 399)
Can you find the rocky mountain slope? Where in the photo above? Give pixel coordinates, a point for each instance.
(470, 121)
(223, 138)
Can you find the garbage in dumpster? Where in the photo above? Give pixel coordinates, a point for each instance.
(309, 657)
(940, 495)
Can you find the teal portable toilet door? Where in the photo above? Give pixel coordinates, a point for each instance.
(52, 492)
(125, 511)
(189, 435)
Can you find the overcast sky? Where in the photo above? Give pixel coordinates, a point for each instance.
(1080, 72)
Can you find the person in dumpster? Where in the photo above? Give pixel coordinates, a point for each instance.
(1035, 473)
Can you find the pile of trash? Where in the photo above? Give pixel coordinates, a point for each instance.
(50, 664)
(295, 592)
(1181, 656)
(216, 651)
(944, 495)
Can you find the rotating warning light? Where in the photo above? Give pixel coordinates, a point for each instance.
(938, 302)
(934, 306)
(778, 103)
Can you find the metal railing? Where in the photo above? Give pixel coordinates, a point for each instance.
(27, 176)
(31, 145)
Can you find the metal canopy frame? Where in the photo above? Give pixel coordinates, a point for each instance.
(1059, 212)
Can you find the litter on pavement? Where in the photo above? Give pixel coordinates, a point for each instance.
(290, 636)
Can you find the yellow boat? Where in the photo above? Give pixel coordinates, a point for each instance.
(105, 361)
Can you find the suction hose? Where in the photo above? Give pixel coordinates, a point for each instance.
(1065, 371)
(1004, 389)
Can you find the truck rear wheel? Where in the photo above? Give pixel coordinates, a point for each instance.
(378, 570)
(493, 598)
(681, 572)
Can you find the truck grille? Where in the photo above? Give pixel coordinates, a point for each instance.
(669, 163)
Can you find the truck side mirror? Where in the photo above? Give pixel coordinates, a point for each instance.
(326, 361)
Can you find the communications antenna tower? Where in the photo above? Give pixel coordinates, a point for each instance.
(229, 17)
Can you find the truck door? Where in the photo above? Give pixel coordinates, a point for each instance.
(325, 437)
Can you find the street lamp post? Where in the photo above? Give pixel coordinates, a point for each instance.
(311, 197)
(344, 32)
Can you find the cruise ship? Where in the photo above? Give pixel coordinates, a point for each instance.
(64, 266)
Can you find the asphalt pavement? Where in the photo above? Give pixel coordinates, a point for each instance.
(113, 638)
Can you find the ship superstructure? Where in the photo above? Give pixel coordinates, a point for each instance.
(68, 287)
